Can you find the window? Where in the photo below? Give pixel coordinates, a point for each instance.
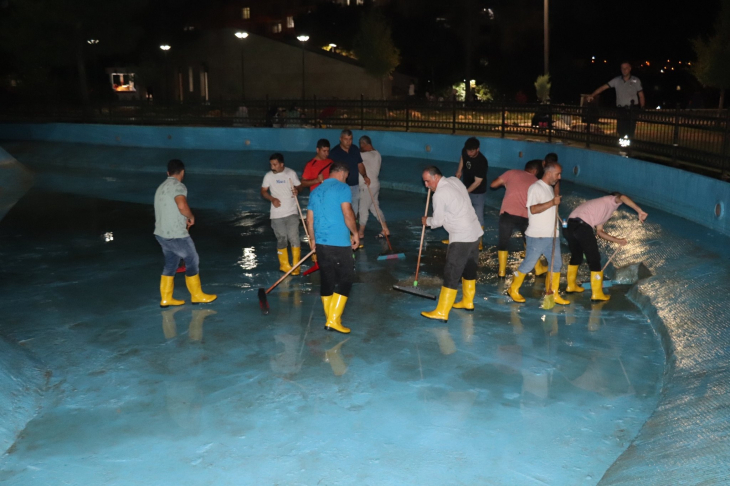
(290, 22)
(246, 13)
(276, 28)
(123, 82)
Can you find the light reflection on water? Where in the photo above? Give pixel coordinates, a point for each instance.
(248, 260)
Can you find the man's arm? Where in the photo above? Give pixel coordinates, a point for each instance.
(349, 215)
(310, 227)
(475, 184)
(182, 206)
(607, 237)
(642, 101)
(437, 220)
(497, 183)
(598, 91)
(460, 168)
(363, 173)
(311, 182)
(627, 200)
(265, 194)
(540, 208)
(556, 188)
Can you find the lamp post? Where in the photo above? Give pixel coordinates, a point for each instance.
(546, 28)
(242, 35)
(303, 39)
(165, 48)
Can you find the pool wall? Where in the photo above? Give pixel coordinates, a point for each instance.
(691, 196)
(687, 438)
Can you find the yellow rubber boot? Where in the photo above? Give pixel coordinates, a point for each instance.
(540, 268)
(597, 287)
(514, 289)
(167, 284)
(196, 292)
(555, 287)
(326, 301)
(502, 255)
(572, 276)
(283, 260)
(468, 289)
(446, 302)
(296, 254)
(334, 316)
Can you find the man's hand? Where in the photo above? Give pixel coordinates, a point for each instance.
(556, 200)
(458, 174)
(622, 241)
(367, 180)
(589, 99)
(320, 178)
(424, 220)
(355, 241)
(276, 203)
(294, 192)
(191, 221)
(643, 216)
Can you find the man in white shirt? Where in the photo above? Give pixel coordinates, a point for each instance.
(372, 161)
(280, 186)
(453, 210)
(541, 234)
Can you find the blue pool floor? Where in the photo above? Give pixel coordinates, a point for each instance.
(221, 394)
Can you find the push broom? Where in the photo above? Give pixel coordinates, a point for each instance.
(415, 290)
(314, 267)
(263, 302)
(548, 302)
(388, 256)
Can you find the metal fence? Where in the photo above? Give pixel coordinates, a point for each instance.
(698, 140)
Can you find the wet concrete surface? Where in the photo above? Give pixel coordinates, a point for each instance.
(220, 394)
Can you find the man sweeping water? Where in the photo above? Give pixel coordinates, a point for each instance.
(332, 228)
(173, 218)
(452, 209)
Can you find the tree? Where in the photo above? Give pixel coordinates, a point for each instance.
(542, 87)
(374, 47)
(713, 55)
(45, 33)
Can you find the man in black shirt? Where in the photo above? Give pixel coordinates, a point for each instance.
(473, 167)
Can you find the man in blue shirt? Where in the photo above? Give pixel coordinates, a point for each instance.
(346, 153)
(333, 233)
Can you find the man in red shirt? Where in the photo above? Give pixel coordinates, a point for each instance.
(317, 170)
(513, 214)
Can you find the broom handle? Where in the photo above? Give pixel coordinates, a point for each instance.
(423, 233)
(548, 284)
(306, 232)
(294, 267)
(377, 213)
(609, 260)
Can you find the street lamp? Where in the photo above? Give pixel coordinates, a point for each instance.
(92, 41)
(303, 39)
(242, 35)
(166, 48)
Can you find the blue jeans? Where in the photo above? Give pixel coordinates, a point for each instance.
(176, 248)
(477, 202)
(537, 247)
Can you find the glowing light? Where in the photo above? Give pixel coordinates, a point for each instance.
(241, 35)
(661, 70)
(659, 107)
(302, 38)
(165, 47)
(624, 142)
(333, 45)
(108, 237)
(593, 57)
(92, 41)
(648, 63)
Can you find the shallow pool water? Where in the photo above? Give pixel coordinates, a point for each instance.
(221, 394)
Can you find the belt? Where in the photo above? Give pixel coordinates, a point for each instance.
(578, 220)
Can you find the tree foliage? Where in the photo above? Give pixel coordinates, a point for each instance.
(713, 54)
(542, 87)
(374, 45)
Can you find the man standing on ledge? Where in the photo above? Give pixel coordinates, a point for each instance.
(629, 95)
(452, 209)
(173, 218)
(593, 214)
(542, 236)
(473, 167)
(331, 223)
(349, 155)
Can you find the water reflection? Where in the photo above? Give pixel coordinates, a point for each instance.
(195, 328)
(594, 320)
(446, 342)
(333, 356)
(248, 260)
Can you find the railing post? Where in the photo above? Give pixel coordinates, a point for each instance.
(725, 145)
(504, 119)
(315, 117)
(587, 118)
(675, 138)
(453, 114)
(408, 116)
(550, 122)
(362, 111)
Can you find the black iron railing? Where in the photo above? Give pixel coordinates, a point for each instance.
(693, 139)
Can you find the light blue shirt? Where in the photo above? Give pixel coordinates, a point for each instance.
(329, 221)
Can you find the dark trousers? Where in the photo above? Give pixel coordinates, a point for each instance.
(507, 224)
(336, 268)
(581, 240)
(461, 261)
(626, 122)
